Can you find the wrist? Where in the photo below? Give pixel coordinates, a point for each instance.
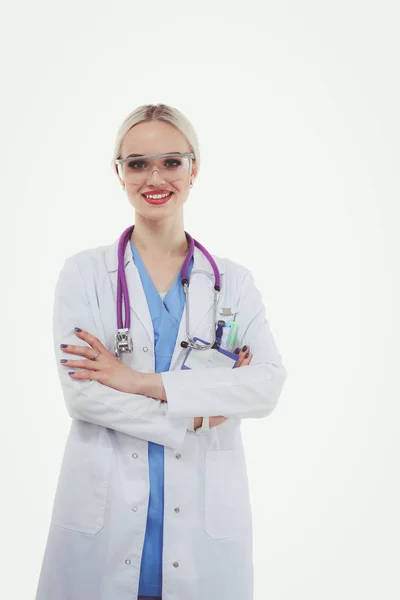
(151, 385)
(198, 422)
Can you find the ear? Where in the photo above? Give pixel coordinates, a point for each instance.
(194, 170)
(115, 169)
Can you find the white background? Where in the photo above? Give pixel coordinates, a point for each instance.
(296, 106)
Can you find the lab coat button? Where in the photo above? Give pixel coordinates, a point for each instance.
(176, 509)
(134, 508)
(178, 455)
(145, 348)
(176, 564)
(127, 562)
(134, 455)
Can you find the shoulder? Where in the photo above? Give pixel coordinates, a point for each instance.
(98, 257)
(89, 258)
(231, 268)
(240, 281)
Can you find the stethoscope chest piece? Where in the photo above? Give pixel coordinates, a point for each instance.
(122, 342)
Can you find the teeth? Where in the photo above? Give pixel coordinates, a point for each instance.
(156, 197)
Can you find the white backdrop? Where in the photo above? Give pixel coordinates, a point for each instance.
(296, 109)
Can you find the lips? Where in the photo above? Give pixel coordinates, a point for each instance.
(156, 192)
(158, 200)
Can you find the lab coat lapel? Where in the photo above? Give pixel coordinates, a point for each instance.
(137, 298)
(201, 292)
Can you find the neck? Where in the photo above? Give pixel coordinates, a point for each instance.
(160, 239)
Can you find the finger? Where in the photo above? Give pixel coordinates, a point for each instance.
(246, 361)
(243, 351)
(238, 352)
(91, 339)
(92, 365)
(85, 351)
(92, 375)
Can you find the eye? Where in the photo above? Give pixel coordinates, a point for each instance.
(135, 164)
(173, 163)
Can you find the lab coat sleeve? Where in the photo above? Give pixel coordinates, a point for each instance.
(134, 414)
(244, 392)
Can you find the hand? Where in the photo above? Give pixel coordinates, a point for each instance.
(106, 369)
(243, 361)
(243, 352)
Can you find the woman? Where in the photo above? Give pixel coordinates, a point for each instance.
(150, 501)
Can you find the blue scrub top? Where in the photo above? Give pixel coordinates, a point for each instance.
(166, 316)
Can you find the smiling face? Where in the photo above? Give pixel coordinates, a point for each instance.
(156, 137)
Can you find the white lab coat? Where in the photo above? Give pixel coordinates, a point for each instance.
(98, 524)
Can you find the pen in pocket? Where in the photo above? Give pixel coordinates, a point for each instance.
(232, 326)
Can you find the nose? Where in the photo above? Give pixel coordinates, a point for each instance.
(153, 177)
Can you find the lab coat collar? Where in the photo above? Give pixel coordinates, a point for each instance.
(200, 261)
(200, 291)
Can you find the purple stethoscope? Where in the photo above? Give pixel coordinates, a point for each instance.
(123, 340)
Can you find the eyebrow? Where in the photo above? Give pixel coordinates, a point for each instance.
(154, 153)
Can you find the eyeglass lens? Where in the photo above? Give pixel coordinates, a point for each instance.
(139, 169)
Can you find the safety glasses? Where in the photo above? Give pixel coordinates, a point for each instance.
(171, 166)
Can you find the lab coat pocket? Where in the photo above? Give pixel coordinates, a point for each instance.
(81, 494)
(227, 502)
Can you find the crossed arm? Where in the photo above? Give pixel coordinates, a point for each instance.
(155, 406)
(109, 371)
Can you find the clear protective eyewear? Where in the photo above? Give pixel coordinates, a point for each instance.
(171, 166)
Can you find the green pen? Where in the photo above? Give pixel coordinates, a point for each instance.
(232, 333)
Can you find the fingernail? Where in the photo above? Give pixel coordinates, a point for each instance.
(71, 372)
(247, 355)
(236, 351)
(244, 348)
(78, 329)
(63, 345)
(63, 360)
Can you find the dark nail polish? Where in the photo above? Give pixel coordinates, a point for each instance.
(63, 345)
(244, 348)
(71, 372)
(236, 351)
(78, 329)
(64, 360)
(247, 355)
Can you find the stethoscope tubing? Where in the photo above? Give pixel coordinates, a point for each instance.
(122, 287)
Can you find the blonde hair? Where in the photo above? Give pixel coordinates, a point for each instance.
(158, 112)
